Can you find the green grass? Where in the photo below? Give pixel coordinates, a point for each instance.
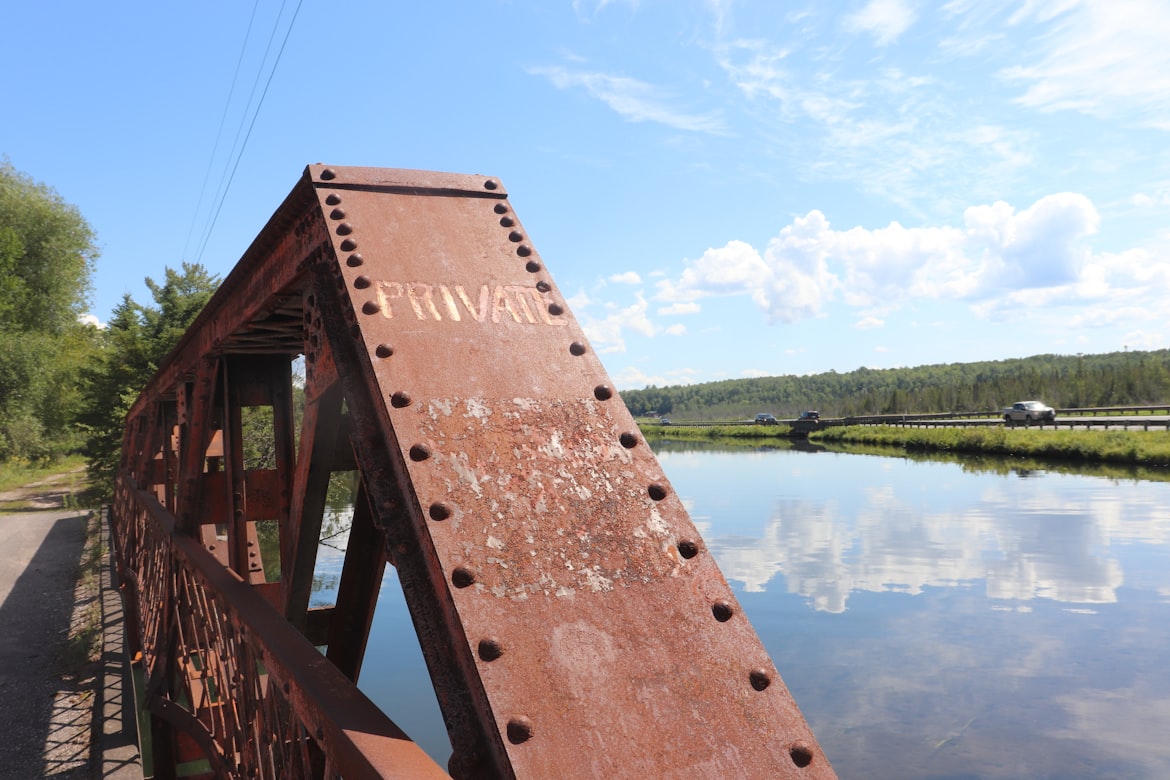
(653, 430)
(1144, 448)
(17, 473)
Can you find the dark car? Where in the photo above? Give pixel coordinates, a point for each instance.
(766, 419)
(810, 415)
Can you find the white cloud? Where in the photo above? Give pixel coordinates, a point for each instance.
(90, 319)
(629, 277)
(606, 334)
(1104, 58)
(884, 19)
(678, 329)
(685, 307)
(633, 100)
(999, 260)
(632, 376)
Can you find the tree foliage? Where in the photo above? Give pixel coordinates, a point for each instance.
(133, 346)
(47, 255)
(1063, 381)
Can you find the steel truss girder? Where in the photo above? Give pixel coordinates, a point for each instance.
(572, 619)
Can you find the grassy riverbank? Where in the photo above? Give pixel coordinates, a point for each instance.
(1145, 448)
(1150, 449)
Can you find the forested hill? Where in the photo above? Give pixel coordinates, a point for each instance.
(1117, 378)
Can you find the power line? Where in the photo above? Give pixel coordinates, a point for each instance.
(222, 121)
(255, 115)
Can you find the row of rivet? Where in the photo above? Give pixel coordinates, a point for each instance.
(520, 729)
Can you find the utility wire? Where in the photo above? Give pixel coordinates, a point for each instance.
(219, 132)
(251, 125)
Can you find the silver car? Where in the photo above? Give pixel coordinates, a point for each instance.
(1028, 412)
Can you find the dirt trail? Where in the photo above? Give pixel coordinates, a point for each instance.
(44, 494)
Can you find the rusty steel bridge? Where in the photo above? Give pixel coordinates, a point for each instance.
(572, 619)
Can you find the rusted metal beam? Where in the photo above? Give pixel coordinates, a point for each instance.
(572, 619)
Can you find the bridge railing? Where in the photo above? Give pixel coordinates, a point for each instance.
(253, 698)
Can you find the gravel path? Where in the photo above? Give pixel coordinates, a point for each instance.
(50, 687)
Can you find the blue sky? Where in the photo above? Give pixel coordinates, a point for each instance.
(724, 188)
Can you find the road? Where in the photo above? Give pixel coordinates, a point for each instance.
(38, 718)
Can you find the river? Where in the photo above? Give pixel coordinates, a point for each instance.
(933, 619)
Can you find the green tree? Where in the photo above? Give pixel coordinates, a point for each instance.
(47, 255)
(133, 346)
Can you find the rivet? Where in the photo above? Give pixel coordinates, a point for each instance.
(420, 452)
(656, 491)
(500, 208)
(555, 309)
(800, 754)
(524, 250)
(519, 730)
(628, 440)
(760, 679)
(384, 350)
(439, 511)
(287, 687)
(344, 229)
(515, 236)
(603, 392)
(543, 286)
(348, 245)
(490, 649)
(337, 214)
(687, 549)
(722, 611)
(362, 282)
(333, 199)
(577, 348)
(507, 221)
(354, 260)
(462, 577)
(400, 399)
(370, 307)
(328, 174)
(490, 185)
(532, 266)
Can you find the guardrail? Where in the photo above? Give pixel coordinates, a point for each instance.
(992, 417)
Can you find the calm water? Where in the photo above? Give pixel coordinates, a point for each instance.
(932, 621)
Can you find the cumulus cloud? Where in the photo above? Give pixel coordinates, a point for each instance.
(629, 277)
(606, 333)
(999, 258)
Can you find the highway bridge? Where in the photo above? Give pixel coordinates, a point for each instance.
(573, 621)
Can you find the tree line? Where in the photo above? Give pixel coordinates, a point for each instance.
(66, 384)
(1063, 381)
